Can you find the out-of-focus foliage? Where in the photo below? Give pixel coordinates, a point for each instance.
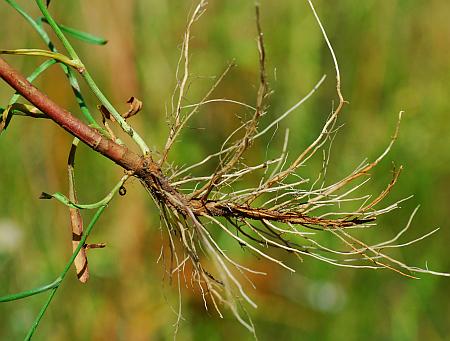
(394, 55)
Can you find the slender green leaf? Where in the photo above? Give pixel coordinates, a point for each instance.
(80, 35)
(66, 201)
(48, 54)
(31, 292)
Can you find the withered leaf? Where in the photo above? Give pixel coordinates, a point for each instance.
(95, 246)
(76, 221)
(135, 107)
(4, 120)
(106, 115)
(22, 109)
(45, 196)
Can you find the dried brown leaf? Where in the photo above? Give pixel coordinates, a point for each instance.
(135, 107)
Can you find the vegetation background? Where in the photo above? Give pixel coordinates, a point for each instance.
(394, 55)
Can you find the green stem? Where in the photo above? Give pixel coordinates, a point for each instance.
(65, 271)
(55, 284)
(73, 81)
(59, 33)
(90, 81)
(31, 292)
(41, 314)
(66, 201)
(30, 20)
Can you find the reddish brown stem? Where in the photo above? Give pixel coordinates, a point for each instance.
(142, 167)
(117, 153)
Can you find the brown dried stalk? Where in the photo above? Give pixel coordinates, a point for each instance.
(76, 221)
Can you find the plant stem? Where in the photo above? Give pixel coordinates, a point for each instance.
(91, 83)
(72, 79)
(40, 69)
(41, 314)
(66, 201)
(117, 153)
(31, 292)
(63, 274)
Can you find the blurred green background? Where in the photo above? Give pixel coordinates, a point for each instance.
(394, 55)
